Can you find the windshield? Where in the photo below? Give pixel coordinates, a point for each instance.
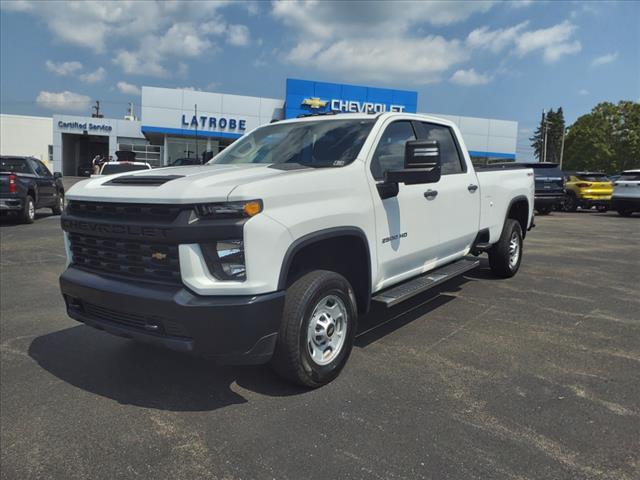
(16, 165)
(109, 169)
(326, 143)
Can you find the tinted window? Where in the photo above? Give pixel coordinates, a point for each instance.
(551, 173)
(389, 154)
(16, 165)
(41, 167)
(629, 177)
(449, 154)
(595, 177)
(325, 143)
(110, 169)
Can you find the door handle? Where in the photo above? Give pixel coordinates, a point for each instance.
(430, 194)
(472, 188)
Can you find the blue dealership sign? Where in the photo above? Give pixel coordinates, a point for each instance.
(305, 97)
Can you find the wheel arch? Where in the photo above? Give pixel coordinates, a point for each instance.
(321, 249)
(518, 210)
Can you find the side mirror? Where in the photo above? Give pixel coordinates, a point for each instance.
(421, 164)
(57, 175)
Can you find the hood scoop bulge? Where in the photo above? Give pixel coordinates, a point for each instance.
(142, 180)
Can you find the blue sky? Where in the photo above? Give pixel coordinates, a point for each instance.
(505, 60)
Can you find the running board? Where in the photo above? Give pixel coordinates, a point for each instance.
(400, 293)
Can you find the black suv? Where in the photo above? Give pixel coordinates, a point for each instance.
(550, 191)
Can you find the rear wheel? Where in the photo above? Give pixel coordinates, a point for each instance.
(571, 203)
(317, 330)
(59, 205)
(28, 214)
(625, 213)
(602, 208)
(506, 255)
(544, 211)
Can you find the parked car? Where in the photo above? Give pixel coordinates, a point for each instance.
(271, 251)
(110, 168)
(26, 184)
(550, 193)
(587, 190)
(626, 193)
(180, 162)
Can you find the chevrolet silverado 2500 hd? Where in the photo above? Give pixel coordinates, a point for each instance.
(271, 250)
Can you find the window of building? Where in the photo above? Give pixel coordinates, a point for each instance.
(389, 154)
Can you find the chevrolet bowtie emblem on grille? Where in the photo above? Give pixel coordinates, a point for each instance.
(314, 102)
(158, 255)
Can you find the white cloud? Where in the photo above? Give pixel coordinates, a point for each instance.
(583, 91)
(238, 35)
(154, 32)
(128, 88)
(470, 78)
(94, 77)
(417, 60)
(520, 3)
(63, 101)
(495, 40)
(63, 68)
(604, 59)
(554, 42)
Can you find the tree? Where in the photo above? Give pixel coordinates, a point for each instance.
(551, 123)
(607, 139)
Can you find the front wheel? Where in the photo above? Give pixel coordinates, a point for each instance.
(59, 205)
(317, 330)
(506, 255)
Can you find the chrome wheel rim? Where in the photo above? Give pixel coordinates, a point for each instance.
(327, 330)
(32, 210)
(514, 250)
(61, 202)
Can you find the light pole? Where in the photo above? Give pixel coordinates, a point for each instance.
(564, 134)
(545, 126)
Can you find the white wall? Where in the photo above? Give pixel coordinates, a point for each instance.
(25, 135)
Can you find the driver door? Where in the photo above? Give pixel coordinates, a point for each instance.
(406, 228)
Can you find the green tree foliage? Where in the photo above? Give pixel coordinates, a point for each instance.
(554, 128)
(607, 139)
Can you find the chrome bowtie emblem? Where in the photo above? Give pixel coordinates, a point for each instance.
(158, 255)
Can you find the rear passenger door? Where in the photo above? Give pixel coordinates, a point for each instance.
(458, 197)
(46, 183)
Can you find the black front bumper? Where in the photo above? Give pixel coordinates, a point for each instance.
(629, 204)
(542, 201)
(230, 329)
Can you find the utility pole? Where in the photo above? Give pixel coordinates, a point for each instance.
(564, 134)
(544, 122)
(195, 108)
(97, 113)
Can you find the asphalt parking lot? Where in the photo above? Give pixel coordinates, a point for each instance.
(533, 377)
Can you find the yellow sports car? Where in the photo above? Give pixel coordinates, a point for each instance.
(586, 190)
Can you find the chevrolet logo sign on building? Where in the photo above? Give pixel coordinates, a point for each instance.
(314, 102)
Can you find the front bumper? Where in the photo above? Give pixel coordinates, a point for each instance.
(548, 200)
(229, 329)
(626, 203)
(10, 204)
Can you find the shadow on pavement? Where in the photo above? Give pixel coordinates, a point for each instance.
(10, 220)
(150, 377)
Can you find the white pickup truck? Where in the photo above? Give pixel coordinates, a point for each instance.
(272, 250)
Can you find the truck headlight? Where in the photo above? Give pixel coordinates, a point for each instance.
(225, 259)
(244, 209)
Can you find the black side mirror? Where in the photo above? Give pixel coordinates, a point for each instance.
(421, 164)
(57, 175)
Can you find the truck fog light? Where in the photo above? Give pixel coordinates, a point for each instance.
(225, 259)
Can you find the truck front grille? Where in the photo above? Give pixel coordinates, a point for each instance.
(136, 259)
(126, 211)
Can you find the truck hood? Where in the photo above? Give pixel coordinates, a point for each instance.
(188, 184)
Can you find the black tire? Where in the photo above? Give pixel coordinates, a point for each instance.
(292, 358)
(59, 206)
(544, 211)
(500, 256)
(28, 213)
(602, 209)
(625, 213)
(571, 203)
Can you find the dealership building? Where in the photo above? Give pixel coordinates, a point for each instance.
(178, 123)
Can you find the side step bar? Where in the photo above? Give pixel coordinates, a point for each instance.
(399, 293)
